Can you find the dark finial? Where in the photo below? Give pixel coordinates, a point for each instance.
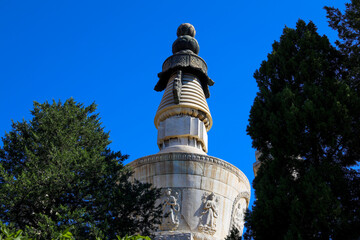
(184, 60)
(186, 41)
(186, 29)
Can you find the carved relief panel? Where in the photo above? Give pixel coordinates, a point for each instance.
(209, 214)
(171, 210)
(239, 209)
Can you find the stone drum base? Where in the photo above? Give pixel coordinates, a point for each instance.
(203, 196)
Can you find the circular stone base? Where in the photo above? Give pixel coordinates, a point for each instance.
(201, 194)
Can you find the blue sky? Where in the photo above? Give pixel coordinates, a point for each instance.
(110, 52)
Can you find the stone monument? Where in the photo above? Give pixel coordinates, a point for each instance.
(203, 196)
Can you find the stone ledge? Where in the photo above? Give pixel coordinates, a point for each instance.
(174, 236)
(189, 157)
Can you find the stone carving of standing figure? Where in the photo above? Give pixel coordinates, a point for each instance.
(177, 84)
(209, 215)
(240, 214)
(171, 207)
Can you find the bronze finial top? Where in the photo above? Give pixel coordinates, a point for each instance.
(185, 58)
(185, 41)
(186, 29)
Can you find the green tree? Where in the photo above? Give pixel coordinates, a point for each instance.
(57, 171)
(348, 26)
(234, 234)
(305, 122)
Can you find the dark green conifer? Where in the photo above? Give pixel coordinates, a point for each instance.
(304, 121)
(348, 26)
(234, 234)
(57, 171)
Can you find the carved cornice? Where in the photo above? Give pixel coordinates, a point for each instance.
(189, 63)
(190, 157)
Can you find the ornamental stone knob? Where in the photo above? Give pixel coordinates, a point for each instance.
(186, 29)
(185, 41)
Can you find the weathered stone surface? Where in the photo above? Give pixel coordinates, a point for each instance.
(171, 208)
(192, 102)
(178, 131)
(196, 177)
(209, 214)
(174, 236)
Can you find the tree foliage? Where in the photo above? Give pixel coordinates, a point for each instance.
(10, 233)
(57, 171)
(305, 122)
(348, 26)
(234, 234)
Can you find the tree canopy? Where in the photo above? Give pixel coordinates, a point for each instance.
(57, 171)
(348, 26)
(305, 123)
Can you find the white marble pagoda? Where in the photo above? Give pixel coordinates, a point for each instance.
(203, 196)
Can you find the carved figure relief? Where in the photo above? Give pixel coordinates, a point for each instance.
(171, 209)
(240, 214)
(209, 214)
(177, 84)
(240, 205)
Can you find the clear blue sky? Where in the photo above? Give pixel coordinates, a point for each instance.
(111, 51)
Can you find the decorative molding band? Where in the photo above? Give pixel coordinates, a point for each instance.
(183, 109)
(192, 102)
(160, 157)
(184, 60)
